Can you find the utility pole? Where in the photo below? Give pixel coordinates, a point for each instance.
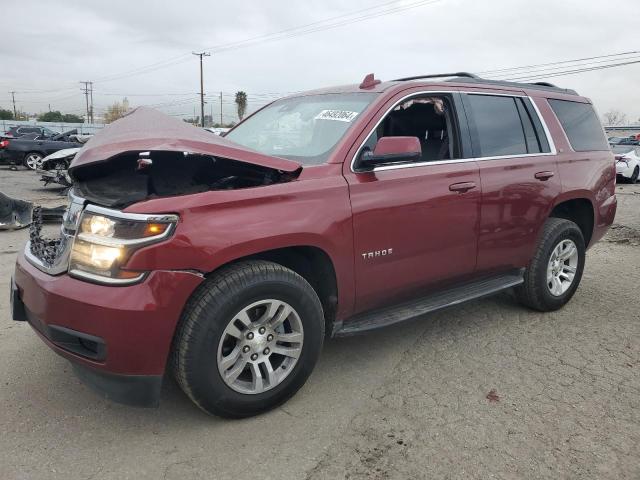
(15, 113)
(85, 90)
(91, 96)
(221, 109)
(201, 54)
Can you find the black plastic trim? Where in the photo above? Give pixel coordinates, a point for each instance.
(133, 390)
(18, 311)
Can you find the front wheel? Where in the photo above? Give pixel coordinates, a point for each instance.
(32, 160)
(248, 339)
(556, 267)
(636, 173)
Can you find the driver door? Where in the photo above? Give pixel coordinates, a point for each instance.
(415, 224)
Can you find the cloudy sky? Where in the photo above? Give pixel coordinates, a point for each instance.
(142, 49)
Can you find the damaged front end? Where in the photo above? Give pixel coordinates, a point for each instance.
(135, 176)
(148, 155)
(129, 162)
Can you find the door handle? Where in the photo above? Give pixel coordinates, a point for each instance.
(544, 176)
(462, 187)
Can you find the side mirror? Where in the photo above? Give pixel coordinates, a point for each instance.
(390, 150)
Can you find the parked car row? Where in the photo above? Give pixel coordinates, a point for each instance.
(28, 146)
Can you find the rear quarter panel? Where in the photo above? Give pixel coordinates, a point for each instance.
(589, 175)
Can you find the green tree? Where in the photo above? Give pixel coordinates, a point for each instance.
(72, 118)
(54, 116)
(241, 104)
(116, 111)
(6, 114)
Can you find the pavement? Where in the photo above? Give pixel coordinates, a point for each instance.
(484, 390)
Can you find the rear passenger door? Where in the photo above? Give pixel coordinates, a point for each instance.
(519, 177)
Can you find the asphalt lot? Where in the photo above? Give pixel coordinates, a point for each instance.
(407, 402)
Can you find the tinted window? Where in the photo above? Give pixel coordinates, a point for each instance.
(623, 149)
(498, 126)
(581, 125)
(533, 145)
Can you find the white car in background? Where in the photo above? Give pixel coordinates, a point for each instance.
(627, 162)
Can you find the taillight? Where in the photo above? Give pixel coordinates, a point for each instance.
(4, 143)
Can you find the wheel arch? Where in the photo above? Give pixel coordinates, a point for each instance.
(580, 211)
(312, 263)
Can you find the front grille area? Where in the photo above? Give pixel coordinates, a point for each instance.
(51, 255)
(47, 250)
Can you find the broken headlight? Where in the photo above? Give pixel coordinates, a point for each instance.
(106, 239)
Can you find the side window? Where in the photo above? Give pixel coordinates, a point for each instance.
(430, 118)
(499, 130)
(581, 124)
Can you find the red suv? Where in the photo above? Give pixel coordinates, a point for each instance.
(332, 212)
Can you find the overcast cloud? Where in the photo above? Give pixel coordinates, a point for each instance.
(53, 45)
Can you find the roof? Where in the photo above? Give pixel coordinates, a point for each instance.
(437, 79)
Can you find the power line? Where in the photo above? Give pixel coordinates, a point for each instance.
(556, 63)
(282, 34)
(535, 76)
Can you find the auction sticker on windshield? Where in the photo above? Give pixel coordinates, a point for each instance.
(340, 115)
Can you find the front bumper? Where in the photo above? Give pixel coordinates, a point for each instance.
(117, 338)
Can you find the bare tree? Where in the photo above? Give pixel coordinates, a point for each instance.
(614, 117)
(116, 111)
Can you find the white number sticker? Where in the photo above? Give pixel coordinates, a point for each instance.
(339, 115)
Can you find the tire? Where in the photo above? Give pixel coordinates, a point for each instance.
(32, 160)
(202, 337)
(536, 292)
(634, 176)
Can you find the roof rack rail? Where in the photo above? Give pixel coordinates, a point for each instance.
(438, 75)
(545, 84)
(505, 83)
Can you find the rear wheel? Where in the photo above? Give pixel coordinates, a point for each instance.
(636, 173)
(556, 268)
(32, 160)
(248, 340)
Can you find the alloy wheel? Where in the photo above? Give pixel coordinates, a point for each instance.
(33, 161)
(260, 346)
(562, 267)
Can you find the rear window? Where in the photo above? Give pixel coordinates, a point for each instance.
(505, 125)
(581, 124)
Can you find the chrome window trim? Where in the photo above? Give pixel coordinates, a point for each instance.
(545, 128)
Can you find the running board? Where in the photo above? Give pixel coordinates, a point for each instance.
(384, 317)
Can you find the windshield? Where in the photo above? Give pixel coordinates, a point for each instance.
(622, 149)
(304, 129)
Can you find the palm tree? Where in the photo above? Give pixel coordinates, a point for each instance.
(241, 104)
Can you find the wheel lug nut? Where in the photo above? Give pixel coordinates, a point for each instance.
(246, 348)
(250, 336)
(266, 351)
(254, 357)
(262, 330)
(269, 337)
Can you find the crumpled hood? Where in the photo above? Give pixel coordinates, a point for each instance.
(65, 152)
(145, 129)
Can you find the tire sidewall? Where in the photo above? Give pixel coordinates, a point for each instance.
(207, 385)
(574, 234)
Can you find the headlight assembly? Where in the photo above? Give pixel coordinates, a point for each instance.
(106, 239)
